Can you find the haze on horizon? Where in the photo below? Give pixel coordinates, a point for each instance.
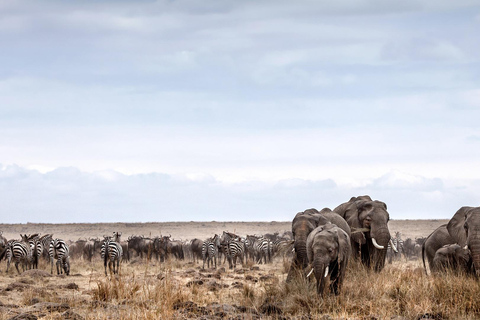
(141, 111)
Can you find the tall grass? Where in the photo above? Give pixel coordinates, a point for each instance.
(150, 290)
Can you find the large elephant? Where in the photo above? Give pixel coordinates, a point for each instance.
(463, 229)
(304, 223)
(370, 235)
(452, 257)
(328, 250)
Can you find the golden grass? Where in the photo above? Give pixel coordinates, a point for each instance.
(178, 290)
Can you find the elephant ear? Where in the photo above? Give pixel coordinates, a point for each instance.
(456, 225)
(344, 247)
(352, 216)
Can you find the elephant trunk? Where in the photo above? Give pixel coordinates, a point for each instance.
(321, 272)
(474, 247)
(380, 237)
(301, 253)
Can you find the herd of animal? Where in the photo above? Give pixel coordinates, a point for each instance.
(321, 243)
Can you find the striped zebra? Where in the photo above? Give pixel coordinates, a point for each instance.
(45, 240)
(58, 250)
(19, 251)
(223, 248)
(111, 253)
(263, 249)
(235, 249)
(210, 250)
(37, 248)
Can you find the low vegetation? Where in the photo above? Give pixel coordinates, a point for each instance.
(182, 290)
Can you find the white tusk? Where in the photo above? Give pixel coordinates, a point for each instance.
(393, 246)
(310, 273)
(376, 244)
(466, 247)
(326, 272)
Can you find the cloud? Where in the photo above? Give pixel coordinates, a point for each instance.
(70, 195)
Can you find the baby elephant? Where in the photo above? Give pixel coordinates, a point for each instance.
(328, 251)
(452, 257)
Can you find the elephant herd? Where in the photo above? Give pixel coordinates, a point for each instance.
(325, 241)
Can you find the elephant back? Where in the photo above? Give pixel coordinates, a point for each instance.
(336, 219)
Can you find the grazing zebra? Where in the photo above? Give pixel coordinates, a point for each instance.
(111, 253)
(235, 249)
(58, 250)
(19, 251)
(210, 250)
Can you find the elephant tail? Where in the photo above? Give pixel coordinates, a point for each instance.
(423, 258)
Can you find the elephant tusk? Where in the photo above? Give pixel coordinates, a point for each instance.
(393, 246)
(376, 244)
(326, 272)
(310, 273)
(466, 247)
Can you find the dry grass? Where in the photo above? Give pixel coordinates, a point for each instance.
(177, 290)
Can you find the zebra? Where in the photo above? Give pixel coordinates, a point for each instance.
(37, 248)
(19, 251)
(58, 250)
(210, 250)
(235, 249)
(263, 249)
(45, 240)
(111, 252)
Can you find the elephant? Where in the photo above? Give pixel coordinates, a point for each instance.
(464, 230)
(452, 257)
(304, 223)
(368, 220)
(328, 250)
(437, 239)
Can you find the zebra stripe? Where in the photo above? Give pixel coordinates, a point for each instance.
(235, 249)
(210, 250)
(262, 249)
(111, 253)
(58, 250)
(19, 251)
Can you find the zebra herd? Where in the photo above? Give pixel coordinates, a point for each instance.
(30, 248)
(259, 249)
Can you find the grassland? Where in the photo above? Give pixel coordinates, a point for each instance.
(184, 290)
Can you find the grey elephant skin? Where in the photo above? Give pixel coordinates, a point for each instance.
(303, 223)
(328, 250)
(368, 220)
(462, 229)
(452, 257)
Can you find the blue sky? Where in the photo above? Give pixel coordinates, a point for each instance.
(236, 110)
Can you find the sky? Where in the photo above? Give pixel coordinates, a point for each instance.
(140, 111)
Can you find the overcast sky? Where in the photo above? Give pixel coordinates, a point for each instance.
(236, 110)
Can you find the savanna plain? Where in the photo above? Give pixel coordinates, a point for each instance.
(183, 289)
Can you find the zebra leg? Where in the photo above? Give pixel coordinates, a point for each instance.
(59, 264)
(16, 266)
(66, 266)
